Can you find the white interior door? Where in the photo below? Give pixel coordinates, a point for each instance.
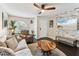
(42, 27)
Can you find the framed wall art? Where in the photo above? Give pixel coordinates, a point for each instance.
(51, 23)
(4, 19)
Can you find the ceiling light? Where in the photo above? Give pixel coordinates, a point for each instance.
(42, 10)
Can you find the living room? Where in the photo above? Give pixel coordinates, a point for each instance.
(24, 25)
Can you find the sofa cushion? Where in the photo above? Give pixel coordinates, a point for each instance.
(23, 52)
(6, 52)
(12, 43)
(2, 44)
(21, 45)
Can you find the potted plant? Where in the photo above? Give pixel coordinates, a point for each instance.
(12, 24)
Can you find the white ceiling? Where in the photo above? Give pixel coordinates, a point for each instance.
(27, 9)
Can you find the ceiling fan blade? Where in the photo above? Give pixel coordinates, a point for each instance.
(36, 5)
(51, 8)
(39, 12)
(42, 6)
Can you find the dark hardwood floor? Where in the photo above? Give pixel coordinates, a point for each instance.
(68, 50)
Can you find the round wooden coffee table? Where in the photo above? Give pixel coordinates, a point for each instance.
(46, 46)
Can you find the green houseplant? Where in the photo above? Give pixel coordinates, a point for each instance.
(12, 24)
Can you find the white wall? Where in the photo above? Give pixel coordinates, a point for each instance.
(0, 18)
(26, 20)
(3, 31)
(35, 27)
(46, 31)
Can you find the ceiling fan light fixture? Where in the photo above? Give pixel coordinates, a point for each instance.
(42, 10)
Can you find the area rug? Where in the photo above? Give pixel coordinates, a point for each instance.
(37, 52)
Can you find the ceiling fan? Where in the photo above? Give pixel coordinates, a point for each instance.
(44, 7)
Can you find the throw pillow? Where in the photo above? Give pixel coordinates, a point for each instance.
(12, 43)
(21, 45)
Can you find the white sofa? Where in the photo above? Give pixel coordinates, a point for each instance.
(23, 49)
(20, 50)
(66, 38)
